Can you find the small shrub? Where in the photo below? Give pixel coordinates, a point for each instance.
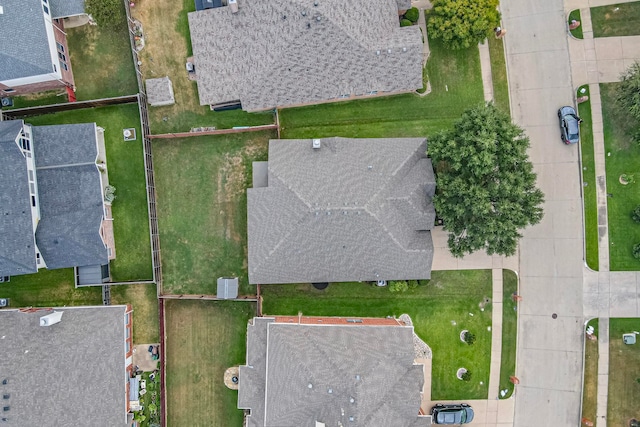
(398, 286)
(635, 214)
(405, 23)
(412, 14)
(628, 178)
(636, 251)
(412, 284)
(469, 338)
(466, 376)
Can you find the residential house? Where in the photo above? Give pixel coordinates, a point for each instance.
(311, 372)
(66, 366)
(282, 53)
(34, 55)
(341, 210)
(52, 209)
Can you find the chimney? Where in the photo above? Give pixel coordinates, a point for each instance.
(51, 319)
(233, 4)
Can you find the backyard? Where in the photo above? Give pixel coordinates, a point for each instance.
(144, 300)
(590, 384)
(589, 184)
(509, 332)
(125, 166)
(439, 308)
(624, 374)
(167, 47)
(623, 157)
(204, 338)
(201, 184)
(612, 20)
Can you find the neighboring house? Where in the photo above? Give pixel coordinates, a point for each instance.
(311, 372)
(34, 55)
(66, 367)
(280, 53)
(52, 210)
(347, 210)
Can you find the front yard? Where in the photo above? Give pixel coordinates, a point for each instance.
(204, 338)
(201, 184)
(590, 381)
(509, 332)
(612, 20)
(624, 374)
(440, 309)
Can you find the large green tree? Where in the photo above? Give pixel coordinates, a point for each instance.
(486, 187)
(462, 23)
(628, 91)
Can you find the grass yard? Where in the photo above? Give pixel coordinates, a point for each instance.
(613, 20)
(204, 338)
(167, 47)
(143, 298)
(439, 308)
(590, 384)
(509, 331)
(48, 288)
(125, 164)
(101, 60)
(624, 159)
(40, 98)
(456, 84)
(589, 187)
(575, 14)
(499, 74)
(201, 185)
(624, 374)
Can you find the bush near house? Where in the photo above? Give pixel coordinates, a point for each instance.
(412, 14)
(405, 23)
(462, 23)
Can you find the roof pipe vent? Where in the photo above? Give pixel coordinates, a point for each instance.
(51, 319)
(316, 144)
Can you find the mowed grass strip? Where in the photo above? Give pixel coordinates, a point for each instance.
(201, 185)
(499, 74)
(590, 384)
(143, 299)
(509, 332)
(624, 372)
(456, 84)
(167, 47)
(575, 14)
(440, 309)
(125, 165)
(101, 59)
(589, 184)
(622, 157)
(622, 19)
(204, 338)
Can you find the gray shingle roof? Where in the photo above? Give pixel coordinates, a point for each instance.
(17, 246)
(65, 374)
(24, 47)
(288, 52)
(354, 210)
(373, 365)
(71, 204)
(64, 8)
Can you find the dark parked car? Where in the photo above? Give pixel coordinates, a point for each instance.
(452, 414)
(569, 125)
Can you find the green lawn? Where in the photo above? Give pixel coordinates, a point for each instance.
(204, 338)
(39, 98)
(201, 184)
(575, 14)
(456, 84)
(125, 164)
(589, 187)
(624, 374)
(590, 385)
(623, 156)
(49, 288)
(144, 300)
(499, 74)
(101, 60)
(621, 19)
(509, 331)
(439, 308)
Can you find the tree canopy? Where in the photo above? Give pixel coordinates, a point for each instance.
(628, 91)
(486, 187)
(106, 13)
(462, 23)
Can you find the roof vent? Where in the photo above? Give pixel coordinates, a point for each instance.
(233, 4)
(51, 319)
(315, 3)
(404, 49)
(330, 391)
(310, 385)
(316, 144)
(1, 10)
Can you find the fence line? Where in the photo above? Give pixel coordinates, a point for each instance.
(67, 106)
(250, 298)
(215, 132)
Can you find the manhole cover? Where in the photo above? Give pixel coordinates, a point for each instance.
(554, 315)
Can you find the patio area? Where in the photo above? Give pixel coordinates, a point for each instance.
(143, 359)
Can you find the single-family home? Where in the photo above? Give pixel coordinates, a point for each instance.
(52, 204)
(66, 367)
(341, 210)
(34, 55)
(282, 53)
(317, 372)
